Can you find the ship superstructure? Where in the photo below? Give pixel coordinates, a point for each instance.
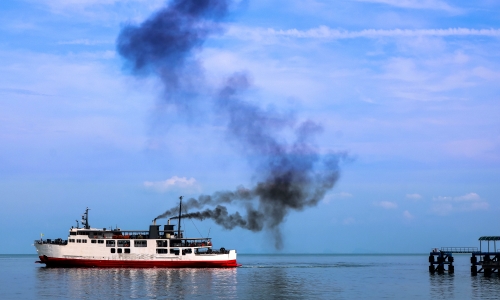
(157, 247)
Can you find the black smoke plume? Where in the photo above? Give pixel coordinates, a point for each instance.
(166, 43)
(289, 176)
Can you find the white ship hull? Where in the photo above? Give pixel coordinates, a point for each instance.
(93, 247)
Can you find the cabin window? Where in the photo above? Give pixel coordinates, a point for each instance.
(78, 241)
(110, 243)
(72, 233)
(174, 251)
(71, 240)
(176, 243)
(119, 250)
(140, 243)
(127, 250)
(84, 241)
(113, 250)
(100, 241)
(162, 243)
(162, 251)
(93, 241)
(123, 243)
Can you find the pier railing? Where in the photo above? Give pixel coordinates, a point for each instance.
(459, 249)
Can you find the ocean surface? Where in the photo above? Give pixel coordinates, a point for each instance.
(260, 277)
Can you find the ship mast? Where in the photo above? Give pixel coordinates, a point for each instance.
(85, 219)
(180, 212)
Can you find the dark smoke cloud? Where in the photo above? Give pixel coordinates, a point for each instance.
(221, 216)
(218, 198)
(165, 45)
(289, 176)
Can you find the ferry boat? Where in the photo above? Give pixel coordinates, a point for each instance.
(153, 248)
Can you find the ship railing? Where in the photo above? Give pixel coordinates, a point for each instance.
(209, 251)
(52, 242)
(124, 235)
(194, 243)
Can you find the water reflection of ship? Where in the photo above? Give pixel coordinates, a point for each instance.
(93, 247)
(136, 283)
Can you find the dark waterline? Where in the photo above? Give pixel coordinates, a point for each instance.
(262, 276)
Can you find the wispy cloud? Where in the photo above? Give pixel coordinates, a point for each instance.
(85, 3)
(85, 42)
(407, 215)
(325, 32)
(417, 4)
(386, 204)
(341, 195)
(413, 196)
(468, 197)
(101, 10)
(173, 183)
(20, 92)
(444, 205)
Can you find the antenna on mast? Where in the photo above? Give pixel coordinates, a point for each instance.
(85, 219)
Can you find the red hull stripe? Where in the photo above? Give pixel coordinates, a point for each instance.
(94, 263)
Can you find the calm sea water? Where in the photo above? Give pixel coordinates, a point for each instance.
(260, 277)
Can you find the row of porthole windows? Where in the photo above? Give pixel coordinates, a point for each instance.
(77, 241)
(119, 250)
(174, 251)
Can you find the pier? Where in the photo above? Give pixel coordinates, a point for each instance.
(486, 262)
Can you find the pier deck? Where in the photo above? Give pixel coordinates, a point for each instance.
(487, 262)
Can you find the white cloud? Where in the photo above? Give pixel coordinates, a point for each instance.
(60, 4)
(85, 42)
(469, 202)
(414, 196)
(325, 32)
(468, 197)
(173, 183)
(341, 195)
(387, 204)
(486, 73)
(407, 215)
(417, 4)
(102, 10)
(442, 198)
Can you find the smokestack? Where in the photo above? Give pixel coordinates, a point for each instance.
(154, 231)
(180, 212)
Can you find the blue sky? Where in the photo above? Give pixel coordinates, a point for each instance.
(409, 88)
